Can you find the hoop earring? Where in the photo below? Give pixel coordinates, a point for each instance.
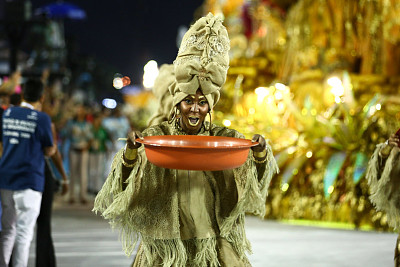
(178, 124)
(173, 114)
(209, 126)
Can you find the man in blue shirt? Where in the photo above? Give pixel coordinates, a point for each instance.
(27, 138)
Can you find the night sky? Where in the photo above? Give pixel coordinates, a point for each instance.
(127, 34)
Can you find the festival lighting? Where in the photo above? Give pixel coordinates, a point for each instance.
(118, 83)
(334, 81)
(281, 107)
(109, 103)
(126, 81)
(338, 90)
(280, 86)
(150, 73)
(337, 87)
(330, 189)
(278, 95)
(372, 110)
(285, 187)
(291, 150)
(261, 93)
(313, 112)
(226, 123)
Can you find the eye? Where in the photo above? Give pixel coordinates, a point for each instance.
(203, 102)
(188, 101)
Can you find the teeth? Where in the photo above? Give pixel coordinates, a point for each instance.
(193, 121)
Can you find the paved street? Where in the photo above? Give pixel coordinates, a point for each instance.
(83, 239)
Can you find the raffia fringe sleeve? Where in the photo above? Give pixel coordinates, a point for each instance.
(384, 184)
(253, 191)
(112, 202)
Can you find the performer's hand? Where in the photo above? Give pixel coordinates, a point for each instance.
(394, 140)
(261, 143)
(131, 141)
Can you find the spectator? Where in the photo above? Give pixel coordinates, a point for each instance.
(117, 125)
(97, 155)
(79, 132)
(45, 253)
(27, 138)
(383, 177)
(15, 99)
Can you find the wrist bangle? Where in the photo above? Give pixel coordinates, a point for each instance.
(126, 164)
(385, 150)
(130, 153)
(260, 161)
(260, 154)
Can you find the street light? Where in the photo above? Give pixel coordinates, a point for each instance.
(150, 73)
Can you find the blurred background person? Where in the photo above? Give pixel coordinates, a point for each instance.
(15, 99)
(53, 91)
(383, 177)
(117, 125)
(28, 138)
(97, 154)
(45, 253)
(79, 132)
(7, 88)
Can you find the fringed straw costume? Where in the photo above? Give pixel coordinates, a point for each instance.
(185, 218)
(383, 176)
(188, 218)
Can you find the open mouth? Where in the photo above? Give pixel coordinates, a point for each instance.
(193, 121)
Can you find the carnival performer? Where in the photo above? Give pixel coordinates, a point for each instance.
(188, 218)
(383, 176)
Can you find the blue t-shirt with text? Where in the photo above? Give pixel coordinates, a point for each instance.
(25, 134)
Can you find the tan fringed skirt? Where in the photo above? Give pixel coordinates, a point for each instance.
(227, 257)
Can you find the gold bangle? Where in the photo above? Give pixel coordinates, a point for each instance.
(260, 154)
(384, 152)
(130, 153)
(126, 164)
(260, 161)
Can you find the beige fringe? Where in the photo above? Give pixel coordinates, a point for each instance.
(207, 253)
(112, 202)
(171, 251)
(175, 252)
(253, 201)
(380, 184)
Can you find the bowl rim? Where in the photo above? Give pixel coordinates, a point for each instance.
(246, 143)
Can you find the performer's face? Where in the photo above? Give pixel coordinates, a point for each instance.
(194, 109)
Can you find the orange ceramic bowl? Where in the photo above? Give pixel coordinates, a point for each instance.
(195, 152)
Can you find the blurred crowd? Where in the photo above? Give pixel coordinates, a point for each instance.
(87, 133)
